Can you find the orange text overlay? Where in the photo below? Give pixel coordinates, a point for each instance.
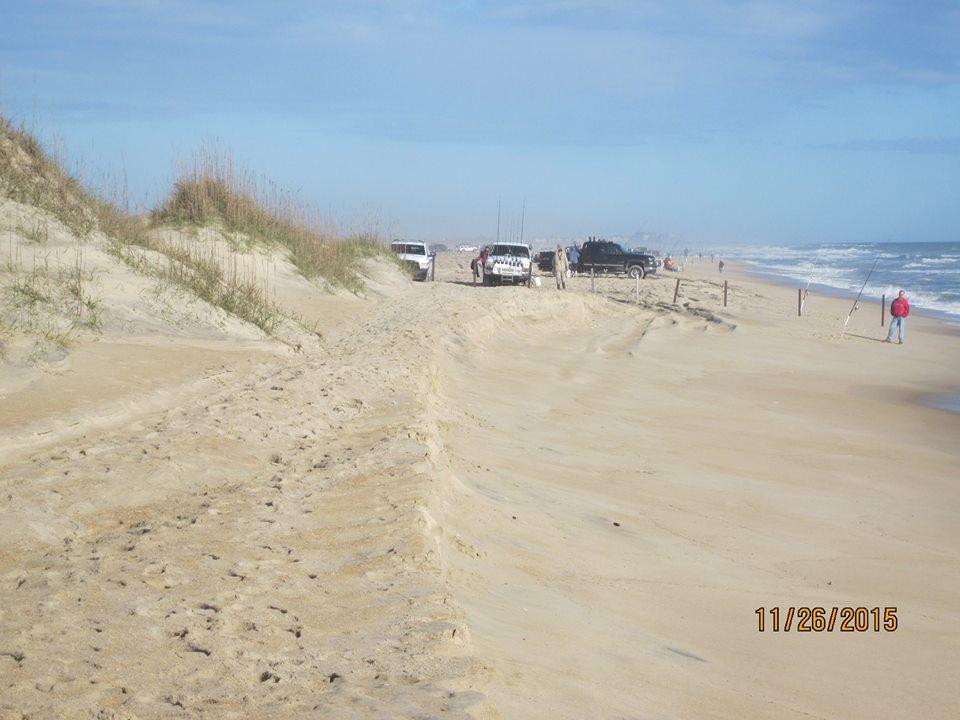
(824, 619)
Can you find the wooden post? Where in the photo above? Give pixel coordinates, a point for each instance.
(433, 268)
(883, 310)
(799, 302)
(676, 291)
(638, 289)
(724, 293)
(593, 287)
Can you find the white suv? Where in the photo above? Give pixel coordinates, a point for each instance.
(507, 262)
(417, 255)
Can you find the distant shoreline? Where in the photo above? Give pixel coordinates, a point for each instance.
(747, 269)
(948, 400)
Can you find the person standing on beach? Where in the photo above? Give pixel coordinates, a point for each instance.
(560, 267)
(572, 259)
(721, 266)
(478, 263)
(899, 309)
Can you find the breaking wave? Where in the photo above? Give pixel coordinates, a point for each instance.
(929, 272)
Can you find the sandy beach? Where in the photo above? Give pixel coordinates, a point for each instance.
(270, 450)
(489, 503)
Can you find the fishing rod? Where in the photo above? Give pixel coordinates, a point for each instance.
(806, 290)
(862, 288)
(803, 300)
(523, 214)
(498, 219)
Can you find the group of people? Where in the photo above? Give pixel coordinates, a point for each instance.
(562, 265)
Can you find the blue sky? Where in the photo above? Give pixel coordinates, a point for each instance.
(717, 122)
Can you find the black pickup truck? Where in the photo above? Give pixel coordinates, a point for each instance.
(604, 256)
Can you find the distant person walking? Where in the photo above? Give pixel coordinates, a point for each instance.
(899, 309)
(560, 267)
(721, 266)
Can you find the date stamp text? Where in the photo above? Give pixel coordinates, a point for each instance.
(822, 619)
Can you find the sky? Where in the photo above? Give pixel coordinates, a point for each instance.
(713, 122)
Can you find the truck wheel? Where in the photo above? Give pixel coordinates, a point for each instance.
(487, 281)
(635, 271)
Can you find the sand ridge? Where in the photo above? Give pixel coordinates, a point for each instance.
(259, 549)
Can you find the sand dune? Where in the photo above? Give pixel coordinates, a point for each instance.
(492, 503)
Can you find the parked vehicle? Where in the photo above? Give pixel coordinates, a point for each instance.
(545, 259)
(605, 257)
(417, 256)
(507, 262)
(467, 248)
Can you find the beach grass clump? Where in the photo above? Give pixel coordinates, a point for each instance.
(46, 293)
(212, 191)
(196, 268)
(30, 175)
(36, 232)
(49, 301)
(29, 298)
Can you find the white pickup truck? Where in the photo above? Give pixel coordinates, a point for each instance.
(418, 256)
(507, 262)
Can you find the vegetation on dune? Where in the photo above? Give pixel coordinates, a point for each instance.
(211, 191)
(197, 268)
(51, 302)
(37, 300)
(31, 176)
(47, 297)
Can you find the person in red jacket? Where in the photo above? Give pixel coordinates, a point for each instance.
(477, 264)
(899, 309)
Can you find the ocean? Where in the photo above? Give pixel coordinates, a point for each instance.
(929, 272)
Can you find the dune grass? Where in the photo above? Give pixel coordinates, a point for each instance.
(49, 301)
(212, 191)
(30, 175)
(44, 294)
